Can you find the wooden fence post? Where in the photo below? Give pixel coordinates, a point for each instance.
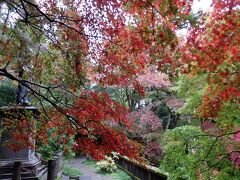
(17, 168)
(52, 166)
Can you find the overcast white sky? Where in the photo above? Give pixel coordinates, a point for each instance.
(198, 5)
(203, 5)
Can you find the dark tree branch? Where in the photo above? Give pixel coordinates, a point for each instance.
(59, 109)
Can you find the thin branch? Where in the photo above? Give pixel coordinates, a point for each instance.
(70, 118)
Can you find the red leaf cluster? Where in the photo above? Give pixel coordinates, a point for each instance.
(100, 120)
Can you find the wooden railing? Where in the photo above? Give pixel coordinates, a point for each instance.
(137, 170)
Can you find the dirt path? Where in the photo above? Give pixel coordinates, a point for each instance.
(89, 173)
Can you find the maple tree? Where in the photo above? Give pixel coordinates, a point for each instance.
(100, 116)
(146, 125)
(147, 129)
(212, 49)
(210, 61)
(152, 78)
(209, 52)
(47, 45)
(58, 43)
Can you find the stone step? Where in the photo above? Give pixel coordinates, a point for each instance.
(8, 168)
(43, 171)
(24, 170)
(23, 178)
(40, 171)
(9, 175)
(30, 178)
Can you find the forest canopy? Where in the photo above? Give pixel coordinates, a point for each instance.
(89, 66)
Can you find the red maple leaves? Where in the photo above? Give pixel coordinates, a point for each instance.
(120, 51)
(99, 120)
(213, 47)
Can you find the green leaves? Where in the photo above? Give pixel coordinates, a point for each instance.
(192, 89)
(229, 115)
(191, 152)
(7, 93)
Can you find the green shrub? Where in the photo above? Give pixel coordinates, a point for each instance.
(89, 163)
(55, 145)
(120, 175)
(71, 171)
(108, 165)
(47, 152)
(189, 151)
(117, 175)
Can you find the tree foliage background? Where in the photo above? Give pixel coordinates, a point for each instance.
(58, 50)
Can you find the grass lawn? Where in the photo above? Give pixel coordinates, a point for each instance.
(118, 175)
(71, 171)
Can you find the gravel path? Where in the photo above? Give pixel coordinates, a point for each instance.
(89, 173)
